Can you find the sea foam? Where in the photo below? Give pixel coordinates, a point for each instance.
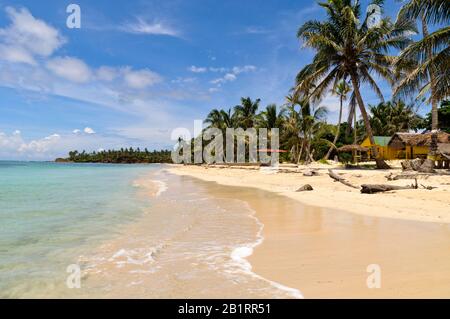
(239, 255)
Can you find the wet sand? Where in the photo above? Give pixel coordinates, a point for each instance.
(325, 253)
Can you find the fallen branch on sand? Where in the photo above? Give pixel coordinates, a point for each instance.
(380, 188)
(340, 179)
(392, 177)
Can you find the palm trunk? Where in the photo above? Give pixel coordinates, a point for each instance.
(381, 164)
(336, 137)
(355, 132)
(434, 105)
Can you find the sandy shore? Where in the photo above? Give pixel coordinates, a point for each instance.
(419, 205)
(322, 242)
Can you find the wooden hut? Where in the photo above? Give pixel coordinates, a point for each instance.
(410, 146)
(357, 151)
(381, 145)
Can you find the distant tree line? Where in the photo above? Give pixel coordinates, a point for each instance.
(122, 156)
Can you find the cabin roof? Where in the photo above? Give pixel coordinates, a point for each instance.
(415, 139)
(353, 147)
(382, 140)
(444, 148)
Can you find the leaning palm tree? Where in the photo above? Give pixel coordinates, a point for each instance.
(341, 90)
(424, 64)
(347, 48)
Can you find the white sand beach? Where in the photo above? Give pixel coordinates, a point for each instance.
(322, 241)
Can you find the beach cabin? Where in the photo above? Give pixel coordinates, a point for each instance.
(381, 144)
(411, 146)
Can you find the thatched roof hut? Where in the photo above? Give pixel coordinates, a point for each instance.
(444, 148)
(351, 148)
(401, 140)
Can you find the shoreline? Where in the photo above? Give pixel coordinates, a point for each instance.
(325, 253)
(415, 205)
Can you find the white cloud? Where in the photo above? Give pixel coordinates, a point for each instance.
(141, 26)
(244, 69)
(70, 68)
(220, 70)
(229, 77)
(76, 131)
(141, 79)
(16, 54)
(88, 130)
(106, 73)
(184, 80)
(232, 75)
(256, 30)
(27, 37)
(15, 144)
(196, 69)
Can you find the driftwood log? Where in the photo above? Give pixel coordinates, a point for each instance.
(419, 165)
(380, 188)
(342, 180)
(392, 177)
(372, 189)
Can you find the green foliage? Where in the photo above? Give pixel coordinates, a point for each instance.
(444, 117)
(122, 156)
(389, 118)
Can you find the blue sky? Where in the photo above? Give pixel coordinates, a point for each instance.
(136, 70)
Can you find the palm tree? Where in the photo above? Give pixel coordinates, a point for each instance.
(246, 112)
(292, 138)
(220, 119)
(269, 118)
(392, 117)
(214, 119)
(424, 64)
(348, 49)
(341, 90)
(313, 120)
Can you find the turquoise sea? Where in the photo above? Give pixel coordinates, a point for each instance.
(133, 231)
(51, 213)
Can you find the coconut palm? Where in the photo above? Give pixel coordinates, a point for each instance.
(214, 119)
(246, 112)
(392, 117)
(220, 119)
(292, 137)
(424, 64)
(341, 90)
(269, 118)
(347, 48)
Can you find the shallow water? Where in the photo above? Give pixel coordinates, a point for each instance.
(51, 213)
(134, 231)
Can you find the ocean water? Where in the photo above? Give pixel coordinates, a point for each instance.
(134, 231)
(51, 213)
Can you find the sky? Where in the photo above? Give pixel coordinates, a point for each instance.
(136, 70)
